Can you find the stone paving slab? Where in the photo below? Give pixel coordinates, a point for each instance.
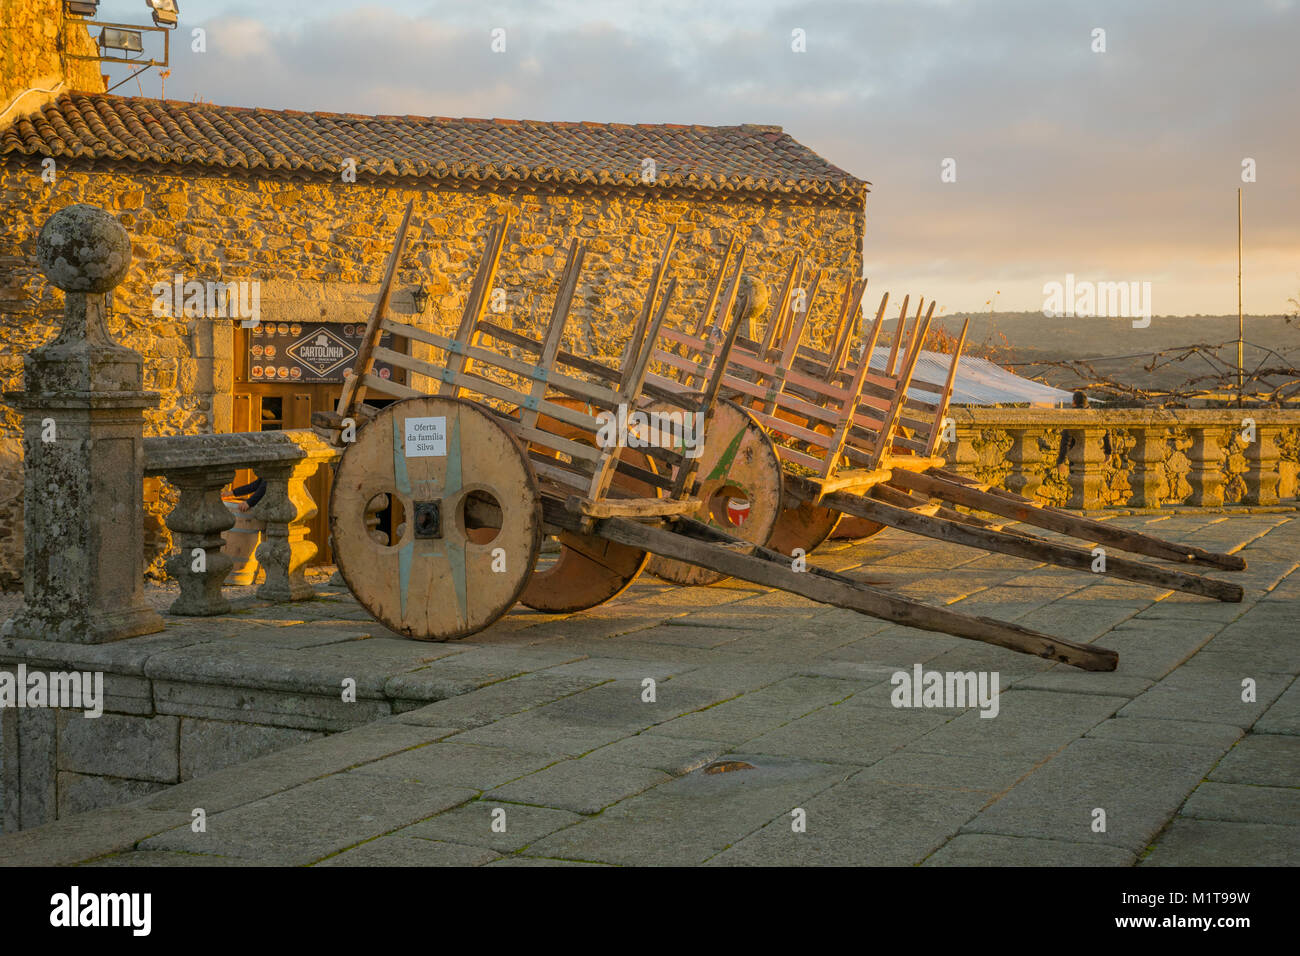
(696, 816)
(1062, 798)
(581, 786)
(979, 849)
(314, 820)
(859, 822)
(401, 850)
(764, 704)
(495, 824)
(1264, 760)
(1283, 716)
(1212, 843)
(1237, 803)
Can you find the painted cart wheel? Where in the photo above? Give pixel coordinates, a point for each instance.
(855, 528)
(589, 570)
(740, 488)
(804, 526)
(464, 518)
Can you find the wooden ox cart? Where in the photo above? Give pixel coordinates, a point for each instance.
(858, 443)
(513, 443)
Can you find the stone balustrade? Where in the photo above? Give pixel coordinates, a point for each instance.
(1098, 458)
(199, 467)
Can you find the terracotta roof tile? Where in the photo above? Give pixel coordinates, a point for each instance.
(103, 127)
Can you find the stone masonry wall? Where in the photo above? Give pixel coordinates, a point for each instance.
(35, 37)
(326, 242)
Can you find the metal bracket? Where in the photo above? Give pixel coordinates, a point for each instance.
(428, 519)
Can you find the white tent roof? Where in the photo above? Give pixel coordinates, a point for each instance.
(979, 381)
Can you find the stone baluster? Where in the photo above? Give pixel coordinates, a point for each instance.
(196, 523)
(286, 508)
(1150, 452)
(1025, 478)
(1087, 460)
(1206, 457)
(83, 432)
(1263, 459)
(961, 455)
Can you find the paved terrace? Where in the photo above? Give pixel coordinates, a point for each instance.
(765, 703)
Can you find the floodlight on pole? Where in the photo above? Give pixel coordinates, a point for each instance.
(81, 8)
(164, 12)
(115, 38)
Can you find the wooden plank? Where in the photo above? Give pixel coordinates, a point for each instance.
(578, 388)
(848, 408)
(1033, 549)
(779, 304)
(746, 306)
(715, 550)
(1008, 505)
(354, 385)
(946, 397)
(632, 385)
(555, 328)
(639, 343)
(473, 310)
(855, 481)
(389, 387)
(631, 507)
(711, 304)
(798, 458)
(898, 338)
(905, 380)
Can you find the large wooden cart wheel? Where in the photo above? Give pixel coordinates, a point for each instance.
(739, 488)
(803, 526)
(589, 570)
(855, 528)
(452, 476)
(800, 525)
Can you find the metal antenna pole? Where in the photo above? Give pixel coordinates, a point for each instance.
(1241, 329)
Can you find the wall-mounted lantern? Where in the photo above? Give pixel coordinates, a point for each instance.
(420, 296)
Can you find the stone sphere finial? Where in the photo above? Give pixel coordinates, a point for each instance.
(82, 248)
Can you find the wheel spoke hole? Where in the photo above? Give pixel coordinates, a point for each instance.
(385, 519)
(729, 506)
(480, 516)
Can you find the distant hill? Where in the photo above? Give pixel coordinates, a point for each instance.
(1122, 352)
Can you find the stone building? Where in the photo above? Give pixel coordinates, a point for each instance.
(299, 211)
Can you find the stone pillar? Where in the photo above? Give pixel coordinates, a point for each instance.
(1263, 473)
(1150, 452)
(286, 508)
(1206, 456)
(83, 432)
(1087, 468)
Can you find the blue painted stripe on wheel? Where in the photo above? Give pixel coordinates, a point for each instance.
(456, 552)
(400, 477)
(404, 572)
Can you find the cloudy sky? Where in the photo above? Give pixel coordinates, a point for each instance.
(1114, 165)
